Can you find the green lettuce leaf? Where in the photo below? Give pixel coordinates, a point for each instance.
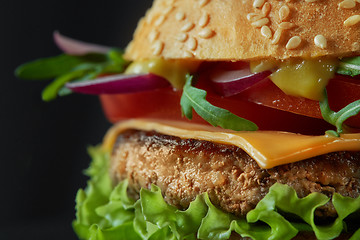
(105, 212)
(160, 215)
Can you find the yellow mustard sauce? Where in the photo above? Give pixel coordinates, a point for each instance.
(172, 70)
(300, 77)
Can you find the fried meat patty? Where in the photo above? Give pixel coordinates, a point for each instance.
(185, 168)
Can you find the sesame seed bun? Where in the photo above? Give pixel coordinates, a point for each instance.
(247, 29)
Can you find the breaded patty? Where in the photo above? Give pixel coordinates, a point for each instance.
(185, 168)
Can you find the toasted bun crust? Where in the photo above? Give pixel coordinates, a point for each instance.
(247, 29)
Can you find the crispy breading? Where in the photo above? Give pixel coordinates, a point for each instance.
(185, 168)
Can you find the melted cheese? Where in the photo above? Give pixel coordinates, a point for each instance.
(267, 148)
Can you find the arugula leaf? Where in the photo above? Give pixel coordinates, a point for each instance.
(194, 98)
(349, 66)
(338, 118)
(50, 92)
(65, 68)
(116, 56)
(89, 71)
(90, 74)
(47, 68)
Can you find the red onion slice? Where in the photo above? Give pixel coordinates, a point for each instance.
(76, 47)
(119, 83)
(231, 82)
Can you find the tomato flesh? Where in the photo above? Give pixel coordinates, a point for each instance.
(266, 93)
(165, 104)
(264, 104)
(341, 91)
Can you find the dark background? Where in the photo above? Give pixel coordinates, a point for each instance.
(43, 145)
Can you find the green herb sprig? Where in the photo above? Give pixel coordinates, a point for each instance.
(349, 66)
(67, 68)
(338, 118)
(194, 98)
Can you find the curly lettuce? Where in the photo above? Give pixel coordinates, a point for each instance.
(105, 212)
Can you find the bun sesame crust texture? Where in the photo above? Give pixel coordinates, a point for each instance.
(247, 29)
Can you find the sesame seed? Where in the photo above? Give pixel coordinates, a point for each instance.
(252, 17)
(320, 41)
(160, 20)
(182, 37)
(188, 54)
(287, 25)
(168, 10)
(187, 27)
(203, 2)
(258, 3)
(311, 1)
(153, 35)
(206, 33)
(293, 42)
(266, 9)
(158, 47)
(192, 43)
(260, 22)
(347, 4)
(266, 32)
(355, 46)
(180, 16)
(277, 36)
(284, 12)
(355, 19)
(170, 2)
(150, 17)
(204, 20)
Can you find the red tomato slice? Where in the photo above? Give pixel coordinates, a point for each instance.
(165, 104)
(264, 103)
(341, 91)
(266, 93)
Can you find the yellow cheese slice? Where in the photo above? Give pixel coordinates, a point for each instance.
(267, 148)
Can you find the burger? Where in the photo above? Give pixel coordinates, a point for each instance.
(232, 120)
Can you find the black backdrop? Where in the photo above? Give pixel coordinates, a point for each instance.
(43, 145)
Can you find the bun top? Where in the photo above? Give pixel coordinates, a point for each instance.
(247, 29)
